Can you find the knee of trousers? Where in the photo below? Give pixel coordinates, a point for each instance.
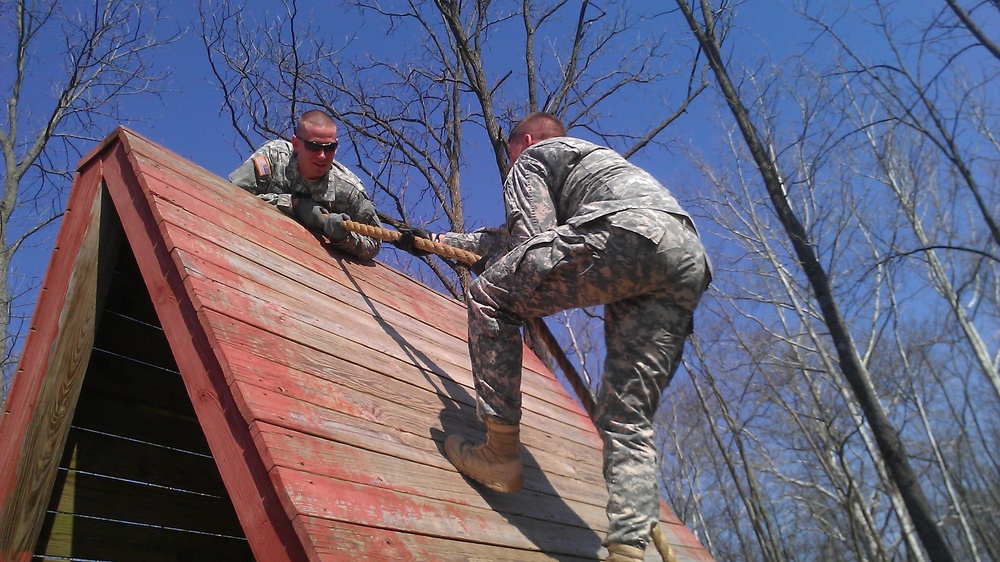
(485, 303)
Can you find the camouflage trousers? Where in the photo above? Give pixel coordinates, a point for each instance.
(649, 288)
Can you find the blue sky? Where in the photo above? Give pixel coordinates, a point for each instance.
(185, 119)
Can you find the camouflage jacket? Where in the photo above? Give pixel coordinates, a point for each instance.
(272, 173)
(571, 181)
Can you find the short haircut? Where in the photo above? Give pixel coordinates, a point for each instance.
(539, 125)
(315, 117)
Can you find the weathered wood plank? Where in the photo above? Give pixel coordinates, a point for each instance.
(366, 340)
(308, 407)
(343, 542)
(89, 495)
(316, 299)
(544, 492)
(338, 500)
(438, 481)
(47, 384)
(85, 538)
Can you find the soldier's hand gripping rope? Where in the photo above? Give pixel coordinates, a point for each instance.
(416, 241)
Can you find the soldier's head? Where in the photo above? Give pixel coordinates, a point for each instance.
(315, 143)
(533, 128)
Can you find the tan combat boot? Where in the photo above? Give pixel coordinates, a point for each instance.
(618, 552)
(496, 463)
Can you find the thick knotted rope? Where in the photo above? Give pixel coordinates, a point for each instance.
(441, 249)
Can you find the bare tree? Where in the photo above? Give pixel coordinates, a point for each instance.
(944, 117)
(89, 58)
(851, 364)
(938, 108)
(970, 24)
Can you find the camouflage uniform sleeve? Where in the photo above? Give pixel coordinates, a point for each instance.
(261, 174)
(527, 198)
(349, 197)
(488, 241)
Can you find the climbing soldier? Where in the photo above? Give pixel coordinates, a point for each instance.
(584, 227)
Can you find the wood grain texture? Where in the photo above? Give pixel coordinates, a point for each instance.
(40, 407)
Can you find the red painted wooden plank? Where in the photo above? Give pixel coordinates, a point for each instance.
(257, 503)
(361, 338)
(307, 397)
(20, 502)
(341, 542)
(337, 500)
(438, 481)
(579, 483)
(286, 309)
(570, 473)
(282, 354)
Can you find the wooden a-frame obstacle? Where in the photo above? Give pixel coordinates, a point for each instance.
(204, 380)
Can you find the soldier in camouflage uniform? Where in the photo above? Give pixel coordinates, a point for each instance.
(303, 180)
(585, 227)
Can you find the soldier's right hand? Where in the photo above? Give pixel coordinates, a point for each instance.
(408, 240)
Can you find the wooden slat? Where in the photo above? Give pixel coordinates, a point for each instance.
(89, 495)
(117, 457)
(84, 538)
(312, 269)
(288, 398)
(368, 340)
(46, 387)
(338, 500)
(343, 542)
(345, 461)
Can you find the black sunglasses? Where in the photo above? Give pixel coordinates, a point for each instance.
(313, 146)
